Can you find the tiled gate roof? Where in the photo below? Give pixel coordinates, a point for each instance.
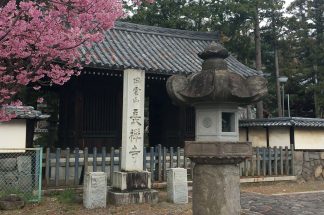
(283, 121)
(25, 112)
(156, 50)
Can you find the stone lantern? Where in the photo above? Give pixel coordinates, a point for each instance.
(216, 92)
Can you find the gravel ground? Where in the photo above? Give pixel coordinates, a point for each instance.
(52, 206)
(286, 204)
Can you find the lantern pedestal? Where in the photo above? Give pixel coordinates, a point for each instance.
(216, 184)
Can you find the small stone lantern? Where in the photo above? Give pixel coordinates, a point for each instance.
(216, 92)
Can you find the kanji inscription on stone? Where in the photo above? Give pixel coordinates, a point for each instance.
(133, 120)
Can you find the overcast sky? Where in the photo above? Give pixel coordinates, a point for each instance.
(288, 2)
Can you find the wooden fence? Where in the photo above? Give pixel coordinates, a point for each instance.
(67, 167)
(269, 162)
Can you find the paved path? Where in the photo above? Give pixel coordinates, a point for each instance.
(290, 204)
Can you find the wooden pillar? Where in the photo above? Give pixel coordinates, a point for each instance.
(64, 117)
(78, 118)
(268, 137)
(30, 125)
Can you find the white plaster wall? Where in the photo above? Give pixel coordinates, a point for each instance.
(309, 138)
(258, 137)
(13, 134)
(242, 133)
(279, 136)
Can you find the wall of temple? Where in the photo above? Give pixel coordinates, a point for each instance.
(309, 138)
(13, 134)
(279, 137)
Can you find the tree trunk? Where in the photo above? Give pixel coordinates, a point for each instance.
(248, 112)
(258, 64)
(277, 82)
(316, 105)
(318, 18)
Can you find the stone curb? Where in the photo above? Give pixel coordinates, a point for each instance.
(268, 179)
(296, 193)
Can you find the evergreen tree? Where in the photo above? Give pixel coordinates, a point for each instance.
(304, 56)
(162, 13)
(291, 46)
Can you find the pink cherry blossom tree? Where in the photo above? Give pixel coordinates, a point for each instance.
(39, 41)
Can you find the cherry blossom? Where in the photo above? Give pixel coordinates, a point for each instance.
(39, 41)
(40, 100)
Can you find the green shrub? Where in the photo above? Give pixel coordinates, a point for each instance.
(68, 196)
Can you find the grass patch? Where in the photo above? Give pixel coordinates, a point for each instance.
(67, 196)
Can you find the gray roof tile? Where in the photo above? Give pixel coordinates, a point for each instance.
(283, 121)
(156, 50)
(25, 112)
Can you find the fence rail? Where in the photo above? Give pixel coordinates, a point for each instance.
(67, 167)
(269, 162)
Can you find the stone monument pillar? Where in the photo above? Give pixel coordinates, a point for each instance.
(216, 92)
(133, 120)
(132, 184)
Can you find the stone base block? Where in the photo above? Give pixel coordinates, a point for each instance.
(95, 190)
(177, 185)
(8, 164)
(11, 202)
(116, 197)
(131, 180)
